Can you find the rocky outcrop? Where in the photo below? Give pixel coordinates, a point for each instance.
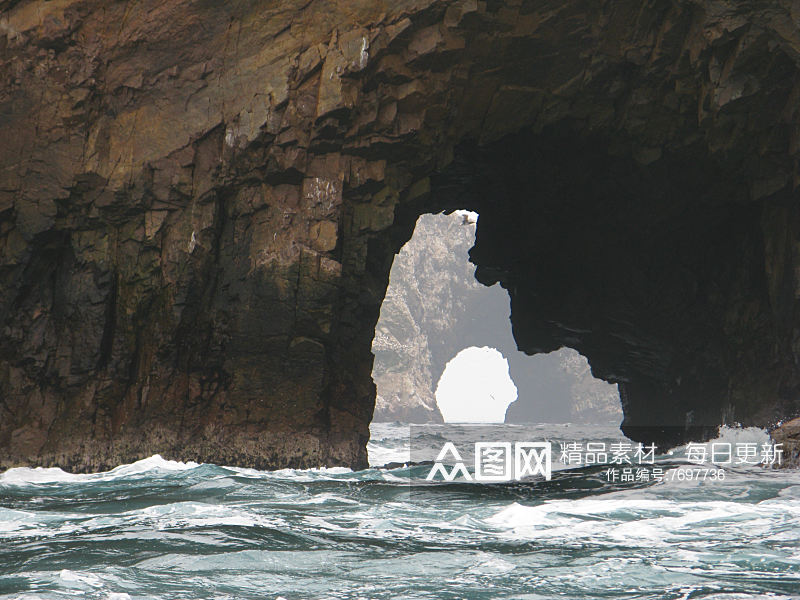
(788, 436)
(561, 388)
(436, 305)
(431, 291)
(402, 368)
(434, 308)
(200, 202)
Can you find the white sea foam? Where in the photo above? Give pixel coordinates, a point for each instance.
(72, 577)
(199, 514)
(155, 463)
(742, 434)
(177, 515)
(491, 565)
(23, 475)
(313, 474)
(39, 475)
(636, 518)
(326, 499)
(152, 463)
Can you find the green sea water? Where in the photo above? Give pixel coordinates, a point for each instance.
(171, 530)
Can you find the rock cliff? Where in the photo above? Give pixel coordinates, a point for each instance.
(431, 289)
(200, 203)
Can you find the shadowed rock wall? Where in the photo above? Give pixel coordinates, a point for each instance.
(200, 202)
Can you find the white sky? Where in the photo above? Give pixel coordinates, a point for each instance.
(475, 387)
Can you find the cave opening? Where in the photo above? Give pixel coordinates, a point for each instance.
(649, 266)
(445, 352)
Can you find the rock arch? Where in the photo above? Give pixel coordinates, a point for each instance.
(199, 205)
(434, 308)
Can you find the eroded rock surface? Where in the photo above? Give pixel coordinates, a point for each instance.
(788, 436)
(200, 202)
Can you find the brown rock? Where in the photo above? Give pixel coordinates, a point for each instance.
(679, 280)
(788, 435)
(323, 236)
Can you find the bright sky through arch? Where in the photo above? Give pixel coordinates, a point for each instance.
(475, 387)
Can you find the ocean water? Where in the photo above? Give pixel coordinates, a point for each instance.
(172, 530)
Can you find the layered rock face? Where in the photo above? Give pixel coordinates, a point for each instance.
(200, 202)
(434, 308)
